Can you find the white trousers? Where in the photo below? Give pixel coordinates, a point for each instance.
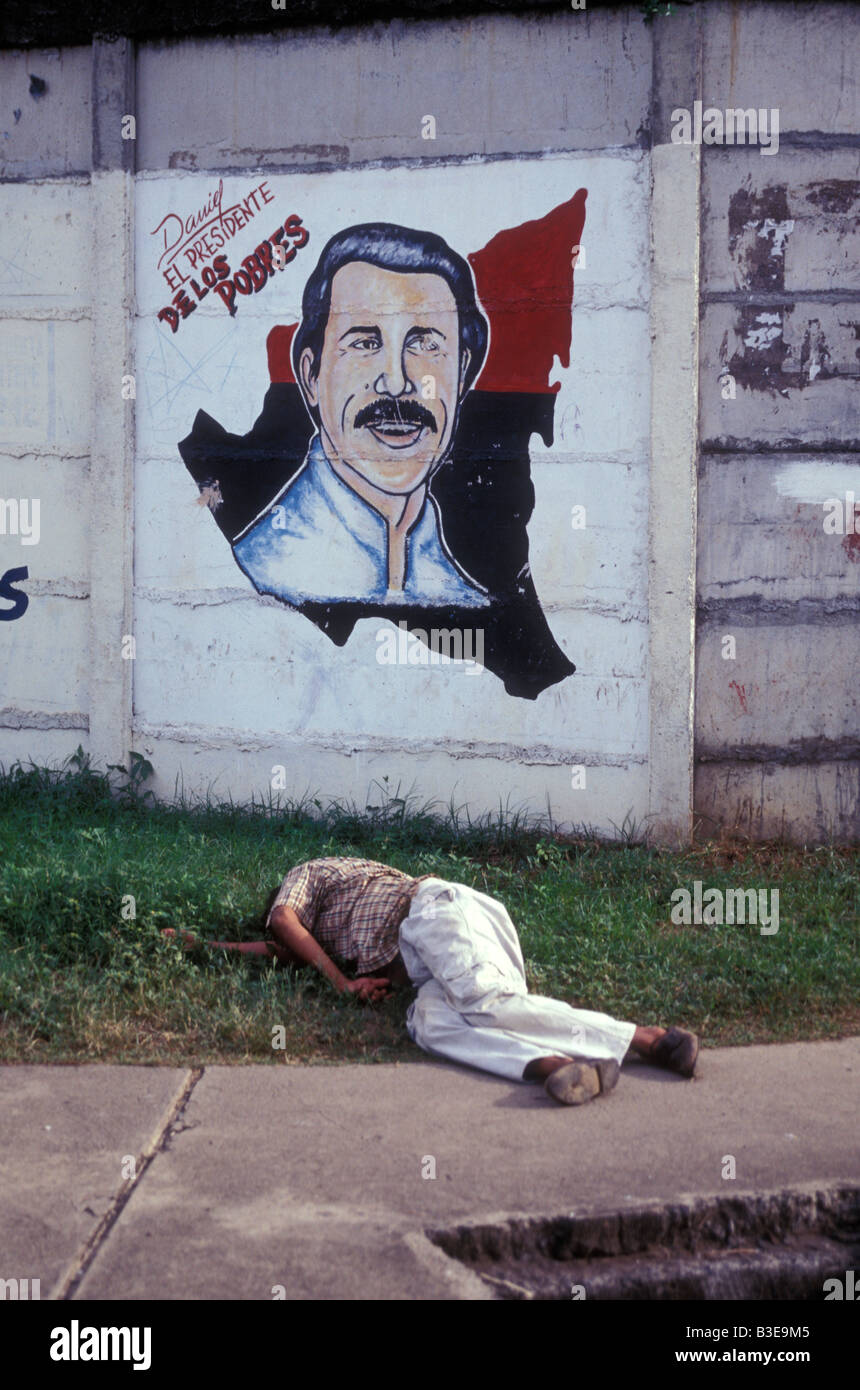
(461, 949)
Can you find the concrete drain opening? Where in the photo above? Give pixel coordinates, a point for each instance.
(778, 1245)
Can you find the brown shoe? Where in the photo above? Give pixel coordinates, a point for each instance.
(582, 1080)
(676, 1051)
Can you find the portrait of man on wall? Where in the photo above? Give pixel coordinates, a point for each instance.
(390, 341)
(388, 473)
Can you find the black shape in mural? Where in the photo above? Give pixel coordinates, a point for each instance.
(388, 472)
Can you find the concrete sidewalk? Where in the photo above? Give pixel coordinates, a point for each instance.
(248, 1179)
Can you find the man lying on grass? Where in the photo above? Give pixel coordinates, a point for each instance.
(460, 949)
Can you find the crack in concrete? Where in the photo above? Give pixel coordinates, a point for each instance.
(11, 718)
(71, 1280)
(539, 755)
(800, 752)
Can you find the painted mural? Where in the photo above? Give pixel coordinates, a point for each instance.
(387, 473)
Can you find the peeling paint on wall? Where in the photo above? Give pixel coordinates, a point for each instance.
(776, 347)
(759, 226)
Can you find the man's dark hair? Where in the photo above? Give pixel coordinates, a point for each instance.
(391, 248)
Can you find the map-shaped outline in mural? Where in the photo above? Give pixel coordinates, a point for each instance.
(356, 495)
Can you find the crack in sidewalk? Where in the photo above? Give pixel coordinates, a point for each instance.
(164, 1131)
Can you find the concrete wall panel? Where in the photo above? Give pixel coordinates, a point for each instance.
(590, 565)
(212, 666)
(61, 552)
(45, 668)
(33, 741)
(764, 534)
(47, 131)
(364, 776)
(495, 84)
(45, 249)
(790, 687)
(798, 58)
(777, 727)
(795, 373)
(813, 803)
(212, 655)
(784, 223)
(45, 387)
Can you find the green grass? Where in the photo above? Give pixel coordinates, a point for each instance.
(79, 981)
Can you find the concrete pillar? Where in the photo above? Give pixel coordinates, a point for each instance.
(112, 458)
(675, 249)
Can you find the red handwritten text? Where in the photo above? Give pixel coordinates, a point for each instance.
(186, 243)
(254, 273)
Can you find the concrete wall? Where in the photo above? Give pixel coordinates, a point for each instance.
(45, 422)
(685, 246)
(778, 723)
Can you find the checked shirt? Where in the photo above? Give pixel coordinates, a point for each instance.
(352, 907)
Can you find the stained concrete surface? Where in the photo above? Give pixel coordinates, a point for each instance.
(64, 1133)
(306, 1182)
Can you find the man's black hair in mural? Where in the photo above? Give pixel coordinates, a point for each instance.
(391, 248)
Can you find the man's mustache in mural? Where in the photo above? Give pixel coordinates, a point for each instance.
(395, 416)
(308, 512)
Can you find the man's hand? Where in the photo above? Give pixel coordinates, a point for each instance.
(369, 988)
(298, 944)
